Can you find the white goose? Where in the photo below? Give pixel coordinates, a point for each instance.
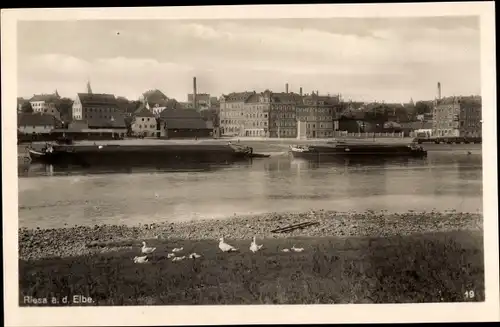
(194, 256)
(146, 249)
(178, 258)
(254, 247)
(170, 255)
(226, 247)
(177, 249)
(285, 250)
(143, 259)
(297, 249)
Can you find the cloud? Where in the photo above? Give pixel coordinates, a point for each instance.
(358, 56)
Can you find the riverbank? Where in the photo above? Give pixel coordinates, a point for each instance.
(371, 257)
(416, 268)
(83, 240)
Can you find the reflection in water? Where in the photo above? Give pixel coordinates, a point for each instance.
(443, 180)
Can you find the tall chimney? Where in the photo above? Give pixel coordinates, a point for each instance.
(194, 92)
(439, 90)
(300, 91)
(286, 88)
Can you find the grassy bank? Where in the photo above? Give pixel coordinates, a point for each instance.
(429, 267)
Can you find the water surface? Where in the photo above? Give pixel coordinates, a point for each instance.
(51, 198)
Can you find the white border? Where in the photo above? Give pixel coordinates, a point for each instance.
(204, 315)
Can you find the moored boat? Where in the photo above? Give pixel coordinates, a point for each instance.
(358, 150)
(139, 155)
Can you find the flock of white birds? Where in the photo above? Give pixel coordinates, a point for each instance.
(223, 246)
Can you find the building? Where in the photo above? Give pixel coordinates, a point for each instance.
(36, 123)
(143, 122)
(317, 116)
(232, 113)
(283, 114)
(155, 101)
(46, 104)
(183, 123)
(94, 105)
(256, 114)
(457, 116)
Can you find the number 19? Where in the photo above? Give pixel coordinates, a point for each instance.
(469, 294)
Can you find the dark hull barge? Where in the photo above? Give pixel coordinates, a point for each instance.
(357, 150)
(139, 155)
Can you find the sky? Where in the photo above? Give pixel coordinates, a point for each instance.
(364, 59)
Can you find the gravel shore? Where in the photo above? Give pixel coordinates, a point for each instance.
(82, 240)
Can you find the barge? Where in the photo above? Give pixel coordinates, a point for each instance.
(139, 155)
(357, 150)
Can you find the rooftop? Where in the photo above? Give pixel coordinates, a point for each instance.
(283, 97)
(473, 99)
(142, 111)
(97, 99)
(238, 96)
(45, 97)
(179, 113)
(36, 119)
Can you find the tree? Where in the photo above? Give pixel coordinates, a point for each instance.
(65, 108)
(27, 108)
(423, 107)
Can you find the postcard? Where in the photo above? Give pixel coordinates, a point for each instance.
(250, 164)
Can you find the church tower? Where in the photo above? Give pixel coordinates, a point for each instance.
(89, 89)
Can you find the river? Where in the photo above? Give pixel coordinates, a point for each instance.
(449, 179)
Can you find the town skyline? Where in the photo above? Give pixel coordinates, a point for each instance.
(389, 59)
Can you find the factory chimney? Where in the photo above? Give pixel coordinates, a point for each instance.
(439, 90)
(300, 92)
(286, 88)
(194, 92)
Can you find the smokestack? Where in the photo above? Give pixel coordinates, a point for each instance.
(286, 88)
(300, 91)
(439, 90)
(194, 92)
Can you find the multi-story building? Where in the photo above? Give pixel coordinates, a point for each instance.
(143, 122)
(94, 106)
(232, 113)
(317, 116)
(46, 104)
(457, 116)
(283, 115)
(256, 114)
